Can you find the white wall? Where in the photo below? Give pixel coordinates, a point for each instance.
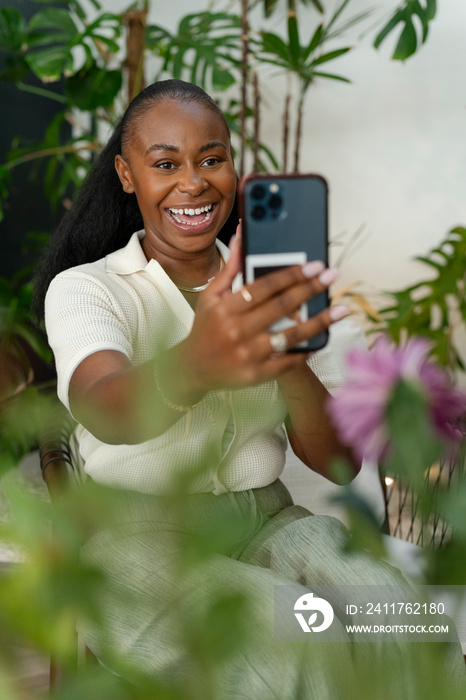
(392, 145)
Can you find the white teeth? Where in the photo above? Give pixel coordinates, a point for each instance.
(192, 212)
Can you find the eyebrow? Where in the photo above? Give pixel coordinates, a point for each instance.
(175, 149)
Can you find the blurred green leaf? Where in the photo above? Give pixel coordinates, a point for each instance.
(273, 44)
(447, 565)
(338, 11)
(105, 29)
(5, 180)
(293, 37)
(332, 76)
(330, 56)
(408, 41)
(53, 25)
(222, 78)
(217, 632)
(317, 4)
(12, 29)
(269, 6)
(14, 68)
(48, 64)
(301, 60)
(16, 325)
(363, 523)
(414, 447)
(23, 420)
(430, 307)
(314, 43)
(206, 48)
(93, 87)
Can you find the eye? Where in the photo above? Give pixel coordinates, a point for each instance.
(213, 160)
(165, 165)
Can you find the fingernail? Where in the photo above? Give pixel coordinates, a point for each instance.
(336, 313)
(328, 276)
(311, 269)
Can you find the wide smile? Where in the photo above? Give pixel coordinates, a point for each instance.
(196, 219)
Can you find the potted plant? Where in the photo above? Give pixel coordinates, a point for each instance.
(18, 339)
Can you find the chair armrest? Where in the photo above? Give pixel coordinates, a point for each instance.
(56, 463)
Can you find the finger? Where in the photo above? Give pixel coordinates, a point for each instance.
(223, 281)
(288, 303)
(319, 323)
(273, 283)
(308, 329)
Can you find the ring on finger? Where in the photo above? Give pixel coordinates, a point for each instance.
(246, 294)
(278, 342)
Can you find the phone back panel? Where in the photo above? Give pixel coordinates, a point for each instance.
(284, 222)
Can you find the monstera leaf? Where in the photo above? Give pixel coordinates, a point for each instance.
(409, 40)
(205, 50)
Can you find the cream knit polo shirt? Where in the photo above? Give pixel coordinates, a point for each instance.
(124, 303)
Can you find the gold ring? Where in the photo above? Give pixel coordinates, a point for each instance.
(278, 342)
(246, 294)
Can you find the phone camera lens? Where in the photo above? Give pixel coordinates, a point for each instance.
(258, 192)
(258, 212)
(275, 201)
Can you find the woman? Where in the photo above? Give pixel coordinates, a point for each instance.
(172, 374)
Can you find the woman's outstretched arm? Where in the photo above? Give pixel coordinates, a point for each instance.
(228, 348)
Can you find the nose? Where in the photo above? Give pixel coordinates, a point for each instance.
(192, 181)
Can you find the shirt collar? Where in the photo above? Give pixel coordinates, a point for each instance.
(131, 258)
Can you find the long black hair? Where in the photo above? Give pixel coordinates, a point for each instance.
(102, 217)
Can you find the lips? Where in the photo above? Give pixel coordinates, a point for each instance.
(195, 218)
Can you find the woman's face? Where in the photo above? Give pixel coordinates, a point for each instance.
(179, 165)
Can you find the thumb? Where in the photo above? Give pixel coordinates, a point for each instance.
(222, 283)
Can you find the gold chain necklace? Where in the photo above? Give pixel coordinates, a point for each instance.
(196, 290)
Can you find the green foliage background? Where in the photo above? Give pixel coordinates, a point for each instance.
(41, 596)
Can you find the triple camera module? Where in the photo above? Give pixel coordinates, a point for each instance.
(266, 201)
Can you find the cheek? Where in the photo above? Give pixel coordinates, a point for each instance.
(151, 192)
(228, 185)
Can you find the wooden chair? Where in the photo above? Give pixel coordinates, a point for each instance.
(407, 522)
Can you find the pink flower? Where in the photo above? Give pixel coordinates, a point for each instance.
(358, 410)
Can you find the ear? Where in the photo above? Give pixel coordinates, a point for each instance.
(124, 173)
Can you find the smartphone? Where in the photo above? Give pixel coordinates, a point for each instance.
(285, 222)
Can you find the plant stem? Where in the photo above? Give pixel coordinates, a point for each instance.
(286, 130)
(44, 153)
(42, 92)
(136, 21)
(299, 123)
(244, 81)
(256, 122)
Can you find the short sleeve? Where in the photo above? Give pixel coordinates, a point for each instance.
(82, 317)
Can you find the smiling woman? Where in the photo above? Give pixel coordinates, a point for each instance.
(179, 164)
(177, 385)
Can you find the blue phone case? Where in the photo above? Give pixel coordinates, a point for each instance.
(285, 222)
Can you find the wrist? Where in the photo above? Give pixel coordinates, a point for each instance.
(175, 382)
(294, 376)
